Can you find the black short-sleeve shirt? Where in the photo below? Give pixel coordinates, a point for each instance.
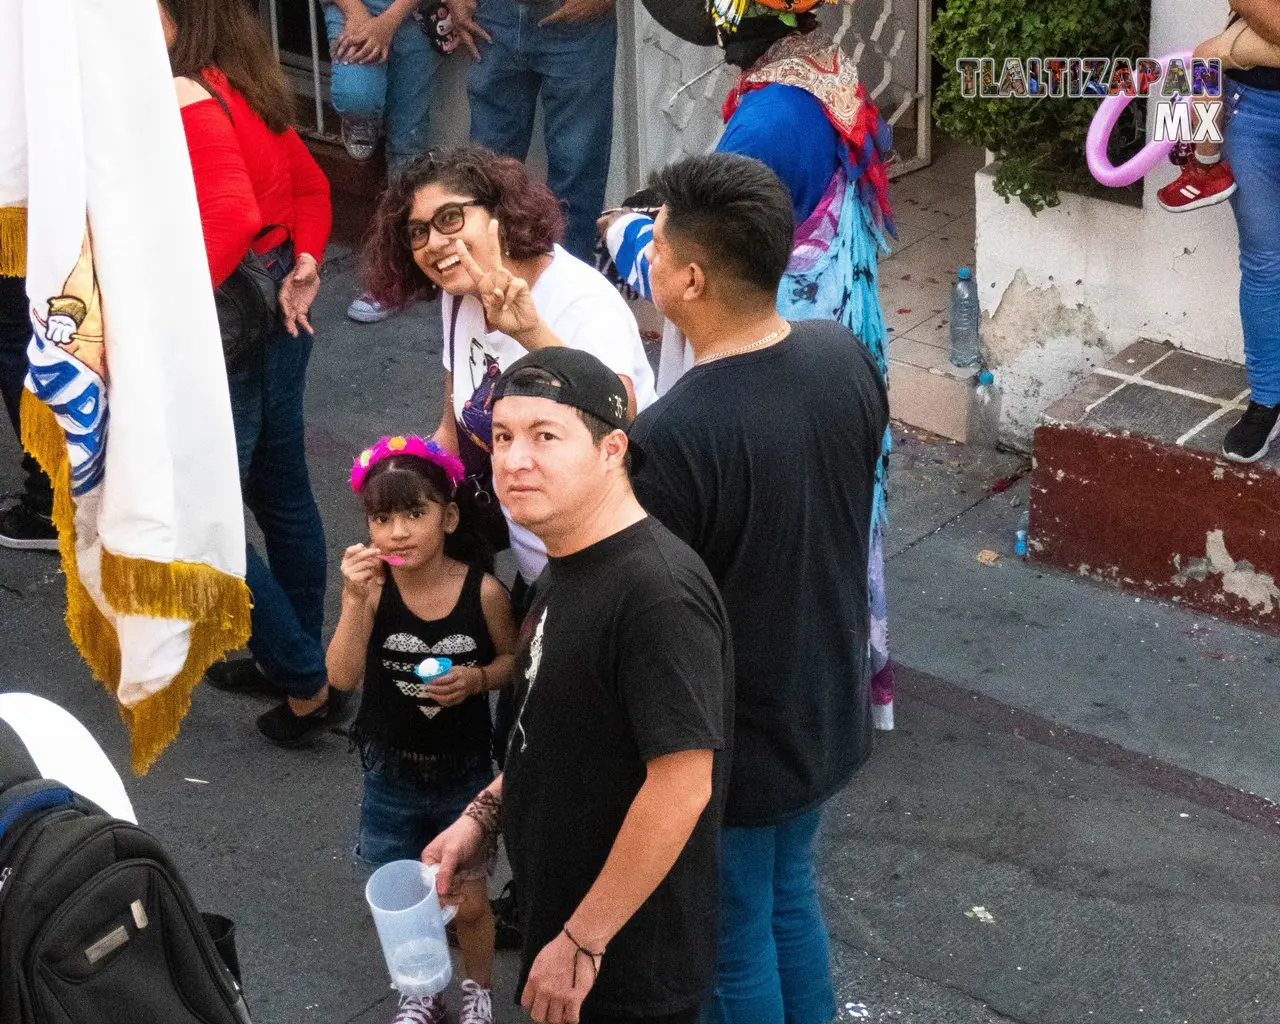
(624, 657)
(765, 463)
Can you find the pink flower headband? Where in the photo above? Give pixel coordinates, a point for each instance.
(405, 444)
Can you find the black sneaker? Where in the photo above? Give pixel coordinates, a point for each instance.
(285, 729)
(25, 530)
(242, 676)
(1250, 439)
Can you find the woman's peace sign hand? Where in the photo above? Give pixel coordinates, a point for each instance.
(508, 303)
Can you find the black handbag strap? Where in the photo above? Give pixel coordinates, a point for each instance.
(217, 97)
(453, 339)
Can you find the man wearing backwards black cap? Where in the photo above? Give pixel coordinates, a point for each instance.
(611, 800)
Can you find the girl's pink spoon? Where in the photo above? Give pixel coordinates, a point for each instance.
(392, 559)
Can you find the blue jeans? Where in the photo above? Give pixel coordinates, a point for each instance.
(572, 67)
(774, 955)
(288, 597)
(398, 93)
(399, 816)
(1252, 147)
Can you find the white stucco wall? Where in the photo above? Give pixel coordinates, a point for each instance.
(1082, 280)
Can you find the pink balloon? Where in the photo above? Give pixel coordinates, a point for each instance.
(1095, 146)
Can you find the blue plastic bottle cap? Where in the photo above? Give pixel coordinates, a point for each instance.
(986, 377)
(964, 273)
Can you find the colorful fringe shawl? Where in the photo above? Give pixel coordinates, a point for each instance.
(816, 65)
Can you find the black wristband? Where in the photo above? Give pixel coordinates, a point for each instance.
(580, 950)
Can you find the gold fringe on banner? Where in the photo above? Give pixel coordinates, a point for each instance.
(13, 241)
(216, 604)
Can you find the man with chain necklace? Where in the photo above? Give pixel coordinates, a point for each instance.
(762, 458)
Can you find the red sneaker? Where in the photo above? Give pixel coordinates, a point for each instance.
(1198, 185)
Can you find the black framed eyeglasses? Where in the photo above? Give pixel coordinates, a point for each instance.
(448, 220)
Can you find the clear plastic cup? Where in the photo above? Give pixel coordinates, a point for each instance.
(410, 923)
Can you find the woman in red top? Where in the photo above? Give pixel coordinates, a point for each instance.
(258, 187)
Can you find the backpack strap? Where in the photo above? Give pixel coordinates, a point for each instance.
(16, 764)
(27, 798)
(23, 790)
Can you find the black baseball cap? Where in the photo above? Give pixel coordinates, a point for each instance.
(571, 377)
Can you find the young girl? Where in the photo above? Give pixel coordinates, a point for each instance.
(408, 595)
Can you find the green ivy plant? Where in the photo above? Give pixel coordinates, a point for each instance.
(1040, 142)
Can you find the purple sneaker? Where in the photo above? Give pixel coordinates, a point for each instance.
(415, 1010)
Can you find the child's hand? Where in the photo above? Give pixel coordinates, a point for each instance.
(363, 572)
(456, 685)
(340, 46)
(370, 41)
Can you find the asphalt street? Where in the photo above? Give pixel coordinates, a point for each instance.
(1071, 822)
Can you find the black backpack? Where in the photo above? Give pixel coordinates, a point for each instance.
(96, 927)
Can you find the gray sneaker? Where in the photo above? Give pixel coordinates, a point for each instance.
(365, 309)
(359, 137)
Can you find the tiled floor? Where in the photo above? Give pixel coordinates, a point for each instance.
(934, 212)
(1162, 392)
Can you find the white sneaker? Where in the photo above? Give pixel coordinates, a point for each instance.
(477, 1004)
(414, 1010)
(366, 310)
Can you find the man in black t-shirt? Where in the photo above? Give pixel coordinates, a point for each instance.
(612, 796)
(762, 458)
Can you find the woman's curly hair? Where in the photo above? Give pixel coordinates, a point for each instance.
(530, 216)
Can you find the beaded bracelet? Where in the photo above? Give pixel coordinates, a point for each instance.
(486, 811)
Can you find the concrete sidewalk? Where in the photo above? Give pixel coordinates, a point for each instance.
(1066, 758)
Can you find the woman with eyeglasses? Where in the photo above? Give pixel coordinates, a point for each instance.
(476, 229)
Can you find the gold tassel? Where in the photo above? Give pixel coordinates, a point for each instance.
(13, 241)
(174, 590)
(154, 723)
(218, 602)
(90, 630)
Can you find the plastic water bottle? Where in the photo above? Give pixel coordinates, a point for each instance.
(965, 350)
(1020, 535)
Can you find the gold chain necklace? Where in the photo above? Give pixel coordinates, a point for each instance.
(760, 343)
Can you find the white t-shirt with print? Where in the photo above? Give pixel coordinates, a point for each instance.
(585, 312)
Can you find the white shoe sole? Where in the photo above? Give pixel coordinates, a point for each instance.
(1261, 453)
(1200, 204)
(18, 544)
